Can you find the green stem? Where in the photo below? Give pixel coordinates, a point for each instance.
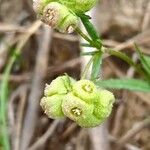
(83, 76)
(91, 30)
(126, 59)
(88, 53)
(84, 36)
(114, 53)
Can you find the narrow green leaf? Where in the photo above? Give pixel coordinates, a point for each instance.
(146, 65)
(145, 60)
(129, 84)
(3, 100)
(90, 29)
(96, 67)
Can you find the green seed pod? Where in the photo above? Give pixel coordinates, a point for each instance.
(68, 3)
(76, 109)
(104, 104)
(80, 101)
(69, 24)
(106, 98)
(52, 106)
(86, 90)
(61, 85)
(89, 122)
(54, 13)
(79, 111)
(60, 17)
(79, 6)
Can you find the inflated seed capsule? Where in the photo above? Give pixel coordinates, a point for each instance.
(54, 13)
(79, 111)
(68, 3)
(80, 101)
(86, 90)
(69, 24)
(54, 93)
(103, 105)
(79, 6)
(106, 98)
(59, 17)
(89, 122)
(76, 109)
(61, 85)
(52, 106)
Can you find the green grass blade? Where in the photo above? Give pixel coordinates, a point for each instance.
(3, 109)
(145, 60)
(90, 29)
(3, 102)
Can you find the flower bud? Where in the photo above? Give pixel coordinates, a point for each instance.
(52, 106)
(86, 90)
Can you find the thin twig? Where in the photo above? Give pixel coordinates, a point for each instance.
(42, 140)
(51, 71)
(69, 131)
(133, 131)
(11, 28)
(127, 145)
(36, 88)
(146, 17)
(99, 137)
(19, 117)
(18, 78)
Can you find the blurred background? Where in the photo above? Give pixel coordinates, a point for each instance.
(34, 55)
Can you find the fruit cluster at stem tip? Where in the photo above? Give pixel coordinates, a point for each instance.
(62, 14)
(81, 101)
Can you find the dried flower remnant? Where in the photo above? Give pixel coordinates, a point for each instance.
(62, 14)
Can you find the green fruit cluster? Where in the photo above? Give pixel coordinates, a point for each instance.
(62, 14)
(80, 101)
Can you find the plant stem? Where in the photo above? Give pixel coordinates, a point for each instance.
(126, 59)
(114, 53)
(84, 36)
(83, 76)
